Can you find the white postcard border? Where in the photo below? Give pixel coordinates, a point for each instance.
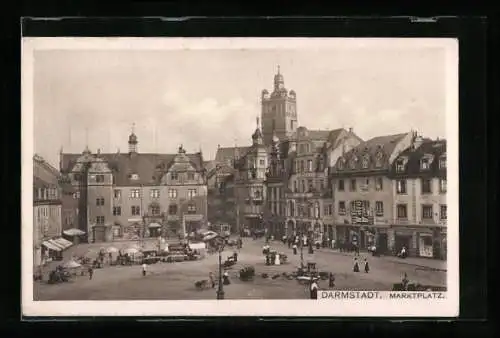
(448, 307)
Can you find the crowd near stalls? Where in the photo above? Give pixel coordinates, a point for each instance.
(138, 253)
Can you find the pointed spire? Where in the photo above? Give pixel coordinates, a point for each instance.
(258, 120)
(86, 137)
(133, 128)
(278, 69)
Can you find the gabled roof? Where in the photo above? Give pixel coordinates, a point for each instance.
(434, 148)
(149, 167)
(387, 143)
(227, 153)
(378, 146)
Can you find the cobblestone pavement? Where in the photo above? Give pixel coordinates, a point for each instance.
(176, 280)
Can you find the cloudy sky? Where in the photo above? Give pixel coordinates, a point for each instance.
(202, 98)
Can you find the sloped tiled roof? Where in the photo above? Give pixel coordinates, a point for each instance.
(377, 146)
(149, 167)
(387, 143)
(227, 153)
(436, 148)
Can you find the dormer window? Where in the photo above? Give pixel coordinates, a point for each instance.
(425, 164)
(134, 177)
(190, 175)
(442, 163)
(378, 159)
(174, 176)
(340, 164)
(400, 166)
(365, 162)
(352, 164)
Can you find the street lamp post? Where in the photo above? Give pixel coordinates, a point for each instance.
(220, 288)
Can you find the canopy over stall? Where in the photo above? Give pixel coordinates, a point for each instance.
(71, 265)
(73, 232)
(51, 246)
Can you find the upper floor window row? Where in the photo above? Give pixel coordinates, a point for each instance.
(190, 175)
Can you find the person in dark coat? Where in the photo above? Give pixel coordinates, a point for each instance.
(235, 256)
(331, 280)
(356, 265)
(268, 259)
(314, 290)
(367, 267)
(91, 272)
(311, 250)
(212, 279)
(225, 278)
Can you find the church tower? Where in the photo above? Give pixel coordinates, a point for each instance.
(279, 111)
(132, 142)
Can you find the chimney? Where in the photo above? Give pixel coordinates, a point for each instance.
(417, 142)
(218, 146)
(350, 130)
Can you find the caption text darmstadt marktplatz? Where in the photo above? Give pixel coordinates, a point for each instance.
(328, 294)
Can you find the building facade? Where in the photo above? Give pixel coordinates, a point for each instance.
(249, 183)
(309, 197)
(47, 225)
(137, 195)
(363, 191)
(419, 190)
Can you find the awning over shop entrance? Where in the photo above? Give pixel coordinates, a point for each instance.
(51, 246)
(73, 232)
(154, 225)
(64, 243)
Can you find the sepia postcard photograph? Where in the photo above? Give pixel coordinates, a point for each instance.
(240, 177)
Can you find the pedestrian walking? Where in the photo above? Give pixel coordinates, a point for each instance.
(331, 280)
(91, 272)
(356, 265)
(225, 277)
(314, 289)
(294, 248)
(212, 280)
(367, 267)
(144, 268)
(333, 244)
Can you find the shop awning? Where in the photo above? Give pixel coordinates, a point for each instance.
(154, 225)
(51, 246)
(74, 232)
(63, 242)
(56, 244)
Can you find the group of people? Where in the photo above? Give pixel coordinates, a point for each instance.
(356, 265)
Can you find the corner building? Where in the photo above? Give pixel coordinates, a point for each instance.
(419, 190)
(363, 191)
(136, 195)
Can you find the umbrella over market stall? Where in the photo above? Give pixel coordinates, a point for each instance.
(71, 265)
(111, 249)
(209, 236)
